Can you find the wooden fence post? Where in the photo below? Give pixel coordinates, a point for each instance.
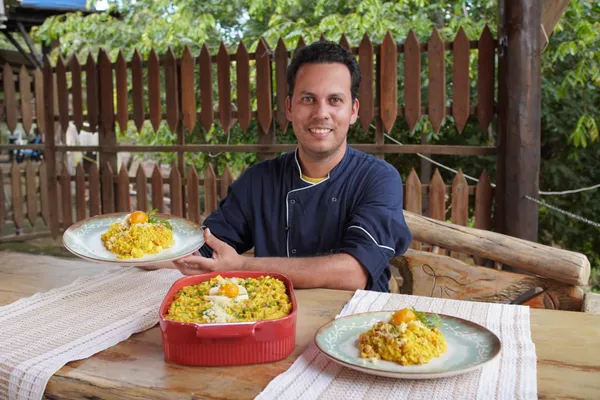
(520, 123)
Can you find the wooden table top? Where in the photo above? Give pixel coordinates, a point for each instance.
(567, 346)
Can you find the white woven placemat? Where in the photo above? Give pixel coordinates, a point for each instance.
(513, 376)
(41, 333)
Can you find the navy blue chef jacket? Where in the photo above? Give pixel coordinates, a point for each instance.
(356, 210)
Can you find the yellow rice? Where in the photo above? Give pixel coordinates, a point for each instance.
(137, 240)
(406, 344)
(267, 300)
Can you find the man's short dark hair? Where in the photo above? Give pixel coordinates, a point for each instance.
(323, 52)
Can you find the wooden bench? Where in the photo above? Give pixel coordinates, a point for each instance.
(526, 272)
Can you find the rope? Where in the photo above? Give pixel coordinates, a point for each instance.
(567, 213)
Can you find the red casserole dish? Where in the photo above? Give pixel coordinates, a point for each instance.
(220, 344)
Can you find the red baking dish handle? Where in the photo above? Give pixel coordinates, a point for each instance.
(225, 330)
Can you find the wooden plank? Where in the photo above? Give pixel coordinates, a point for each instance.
(137, 90)
(141, 189)
(485, 79)
(3, 210)
(122, 89)
(483, 202)
(224, 84)
(157, 190)
(322, 37)
(31, 191)
(242, 69)
(80, 191)
(591, 303)
(460, 199)
(154, 90)
(483, 207)
(123, 203)
(388, 84)
(108, 191)
(345, 43)
(413, 200)
(263, 86)
(40, 118)
(550, 262)
(176, 188)
(281, 63)
(188, 89)
(210, 190)
(460, 80)
(10, 97)
(44, 200)
(91, 87)
(193, 192)
(66, 197)
(16, 195)
(460, 205)
(412, 80)
(62, 92)
(171, 90)
(226, 180)
(301, 43)
(437, 197)
(107, 112)
(76, 92)
(50, 151)
(94, 190)
(366, 112)
(206, 90)
(437, 81)
(26, 99)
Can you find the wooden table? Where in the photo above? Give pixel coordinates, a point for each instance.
(567, 345)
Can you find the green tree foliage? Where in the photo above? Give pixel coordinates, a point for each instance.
(570, 86)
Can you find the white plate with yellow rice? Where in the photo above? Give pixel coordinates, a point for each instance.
(468, 346)
(90, 238)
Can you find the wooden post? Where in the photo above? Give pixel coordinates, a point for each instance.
(519, 113)
(50, 148)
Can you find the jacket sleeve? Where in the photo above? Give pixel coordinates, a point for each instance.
(230, 222)
(376, 230)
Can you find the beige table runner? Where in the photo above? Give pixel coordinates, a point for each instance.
(512, 376)
(41, 333)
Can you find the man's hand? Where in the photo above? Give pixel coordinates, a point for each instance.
(224, 258)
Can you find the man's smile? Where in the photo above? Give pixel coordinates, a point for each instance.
(320, 132)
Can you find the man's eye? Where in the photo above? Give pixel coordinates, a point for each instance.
(335, 100)
(307, 99)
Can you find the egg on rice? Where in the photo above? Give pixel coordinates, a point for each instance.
(135, 236)
(404, 339)
(222, 300)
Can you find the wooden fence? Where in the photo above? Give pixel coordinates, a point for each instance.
(179, 91)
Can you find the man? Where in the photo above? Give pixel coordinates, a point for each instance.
(325, 215)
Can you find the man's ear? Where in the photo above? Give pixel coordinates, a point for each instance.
(288, 108)
(354, 115)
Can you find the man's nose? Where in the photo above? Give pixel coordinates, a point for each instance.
(321, 110)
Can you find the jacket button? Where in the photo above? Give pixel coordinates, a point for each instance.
(292, 201)
(293, 251)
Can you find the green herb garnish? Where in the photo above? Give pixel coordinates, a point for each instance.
(153, 219)
(430, 320)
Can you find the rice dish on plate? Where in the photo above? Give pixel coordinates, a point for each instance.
(138, 234)
(407, 339)
(222, 300)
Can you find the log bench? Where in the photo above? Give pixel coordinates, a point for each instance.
(538, 275)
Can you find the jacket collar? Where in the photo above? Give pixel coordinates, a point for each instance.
(336, 171)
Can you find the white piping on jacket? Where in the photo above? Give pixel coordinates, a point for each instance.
(372, 238)
(287, 204)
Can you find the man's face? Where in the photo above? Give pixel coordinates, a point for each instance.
(321, 109)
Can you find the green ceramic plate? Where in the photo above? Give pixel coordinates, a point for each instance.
(83, 240)
(470, 346)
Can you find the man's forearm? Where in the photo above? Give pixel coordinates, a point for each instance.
(338, 271)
